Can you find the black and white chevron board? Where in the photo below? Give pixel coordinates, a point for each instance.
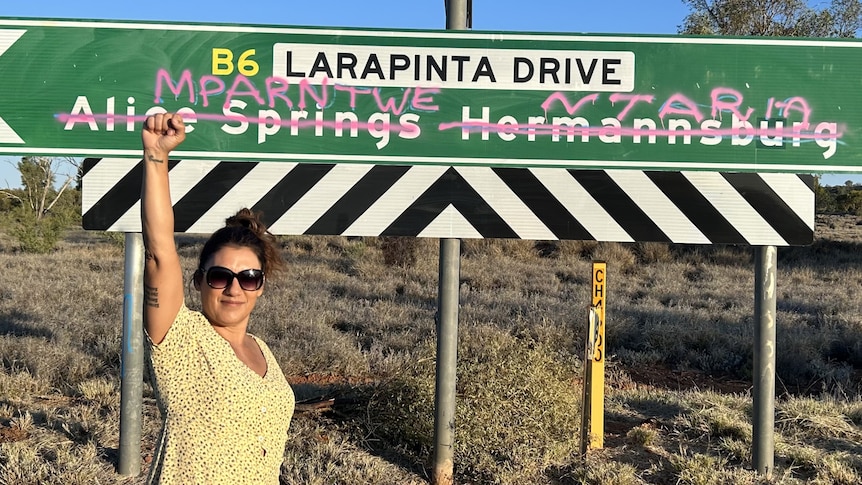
(762, 209)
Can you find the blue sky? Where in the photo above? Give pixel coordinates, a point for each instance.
(569, 16)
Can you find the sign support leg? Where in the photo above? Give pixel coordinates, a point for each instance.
(447, 359)
(132, 364)
(457, 18)
(763, 446)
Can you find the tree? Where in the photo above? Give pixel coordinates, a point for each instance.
(40, 211)
(779, 18)
(850, 202)
(39, 177)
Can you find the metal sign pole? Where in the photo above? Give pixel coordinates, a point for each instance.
(132, 371)
(763, 446)
(447, 323)
(447, 361)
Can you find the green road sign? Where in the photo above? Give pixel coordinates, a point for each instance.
(434, 97)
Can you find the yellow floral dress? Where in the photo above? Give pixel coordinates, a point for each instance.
(222, 422)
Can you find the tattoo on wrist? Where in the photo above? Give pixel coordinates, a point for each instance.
(152, 158)
(151, 296)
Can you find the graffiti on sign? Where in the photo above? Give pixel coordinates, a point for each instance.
(583, 102)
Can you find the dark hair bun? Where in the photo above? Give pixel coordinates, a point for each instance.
(249, 220)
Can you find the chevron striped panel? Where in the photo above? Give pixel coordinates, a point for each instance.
(465, 202)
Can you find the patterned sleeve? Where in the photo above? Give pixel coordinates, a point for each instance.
(180, 334)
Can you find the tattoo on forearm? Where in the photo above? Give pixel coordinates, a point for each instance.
(151, 296)
(149, 256)
(151, 158)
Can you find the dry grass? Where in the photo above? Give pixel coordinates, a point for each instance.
(347, 325)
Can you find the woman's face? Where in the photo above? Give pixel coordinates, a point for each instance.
(232, 305)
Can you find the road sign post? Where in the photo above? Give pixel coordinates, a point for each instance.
(593, 412)
(457, 14)
(132, 373)
(763, 420)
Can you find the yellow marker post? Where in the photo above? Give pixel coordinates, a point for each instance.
(593, 422)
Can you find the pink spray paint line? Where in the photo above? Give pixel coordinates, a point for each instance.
(525, 129)
(338, 125)
(561, 130)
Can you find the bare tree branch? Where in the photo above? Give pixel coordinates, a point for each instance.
(9, 195)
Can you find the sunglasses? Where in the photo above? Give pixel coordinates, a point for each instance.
(218, 277)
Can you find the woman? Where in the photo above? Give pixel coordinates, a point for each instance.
(225, 403)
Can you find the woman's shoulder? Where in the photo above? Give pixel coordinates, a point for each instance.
(189, 316)
(187, 324)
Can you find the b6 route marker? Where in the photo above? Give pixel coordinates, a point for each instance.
(82, 88)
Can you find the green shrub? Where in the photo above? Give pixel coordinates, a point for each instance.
(36, 235)
(517, 413)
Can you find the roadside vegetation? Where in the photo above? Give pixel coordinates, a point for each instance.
(354, 322)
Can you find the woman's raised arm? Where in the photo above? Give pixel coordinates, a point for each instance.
(163, 279)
